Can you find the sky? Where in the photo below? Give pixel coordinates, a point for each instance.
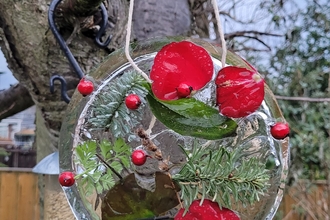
(7, 78)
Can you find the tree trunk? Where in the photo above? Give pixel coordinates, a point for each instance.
(34, 56)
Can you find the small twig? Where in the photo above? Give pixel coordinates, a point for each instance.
(303, 99)
(128, 38)
(177, 194)
(111, 168)
(151, 125)
(163, 164)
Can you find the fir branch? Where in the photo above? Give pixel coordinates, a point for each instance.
(223, 176)
(109, 111)
(100, 162)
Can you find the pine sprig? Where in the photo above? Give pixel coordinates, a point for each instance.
(101, 162)
(222, 176)
(109, 110)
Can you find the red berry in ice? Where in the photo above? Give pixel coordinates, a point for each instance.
(280, 130)
(240, 91)
(132, 101)
(183, 90)
(139, 157)
(180, 62)
(85, 87)
(66, 178)
(208, 210)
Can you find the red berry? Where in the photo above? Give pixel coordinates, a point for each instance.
(207, 211)
(280, 130)
(66, 178)
(139, 157)
(240, 91)
(180, 62)
(85, 87)
(132, 101)
(183, 90)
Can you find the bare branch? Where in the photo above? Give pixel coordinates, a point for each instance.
(303, 99)
(227, 14)
(245, 33)
(251, 35)
(14, 100)
(245, 48)
(257, 39)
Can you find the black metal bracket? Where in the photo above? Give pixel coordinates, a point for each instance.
(64, 94)
(103, 28)
(66, 50)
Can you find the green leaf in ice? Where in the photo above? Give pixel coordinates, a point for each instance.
(192, 117)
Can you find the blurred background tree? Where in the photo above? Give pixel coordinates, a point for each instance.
(298, 73)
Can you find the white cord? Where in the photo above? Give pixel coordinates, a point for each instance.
(222, 36)
(128, 38)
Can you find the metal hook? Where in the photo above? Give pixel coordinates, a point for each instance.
(102, 28)
(60, 40)
(64, 95)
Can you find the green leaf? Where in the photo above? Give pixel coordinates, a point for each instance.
(85, 152)
(87, 156)
(80, 153)
(192, 118)
(107, 180)
(99, 188)
(105, 147)
(116, 165)
(127, 200)
(125, 160)
(89, 187)
(118, 146)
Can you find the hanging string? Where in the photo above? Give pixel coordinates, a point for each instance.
(128, 38)
(222, 36)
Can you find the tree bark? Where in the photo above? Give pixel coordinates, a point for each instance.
(14, 100)
(34, 56)
(160, 18)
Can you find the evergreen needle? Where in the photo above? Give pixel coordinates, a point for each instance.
(221, 175)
